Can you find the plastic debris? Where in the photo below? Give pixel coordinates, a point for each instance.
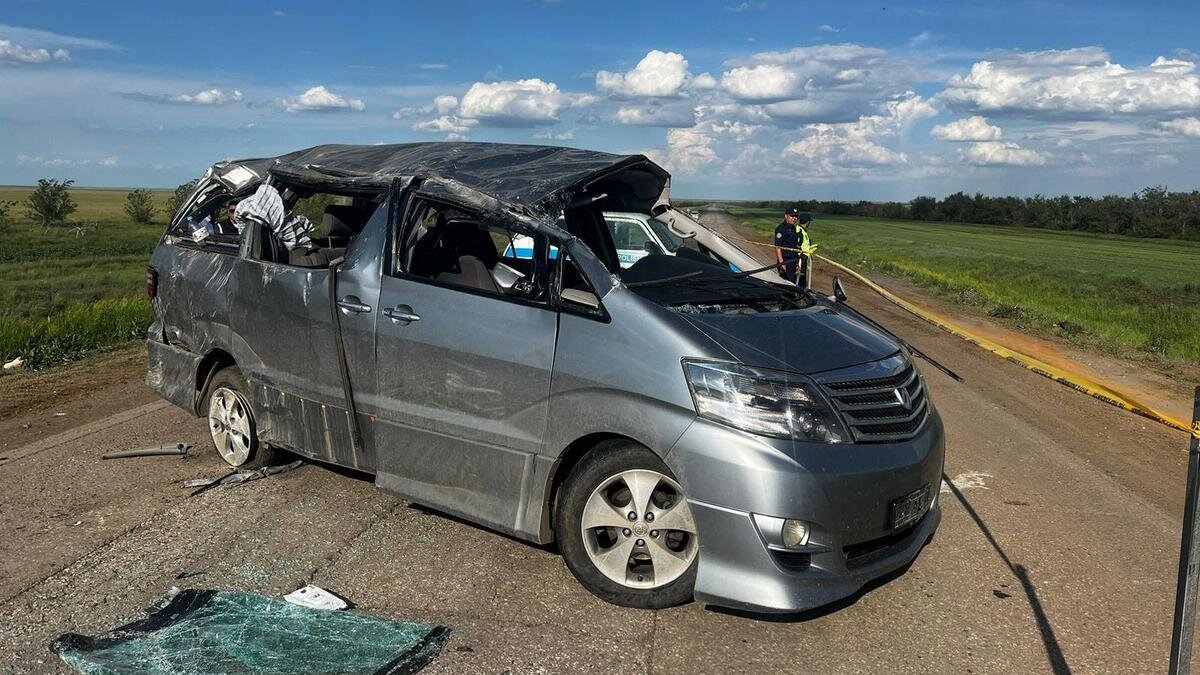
(236, 477)
(15, 364)
(316, 597)
(180, 449)
(203, 631)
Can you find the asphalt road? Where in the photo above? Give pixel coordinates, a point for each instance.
(1057, 550)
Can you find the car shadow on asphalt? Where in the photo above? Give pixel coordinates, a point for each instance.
(365, 477)
(1058, 662)
(823, 610)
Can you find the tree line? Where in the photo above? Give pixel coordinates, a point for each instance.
(1150, 212)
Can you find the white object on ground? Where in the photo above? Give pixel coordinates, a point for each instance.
(968, 480)
(315, 597)
(15, 364)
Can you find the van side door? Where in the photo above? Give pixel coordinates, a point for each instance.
(284, 345)
(464, 357)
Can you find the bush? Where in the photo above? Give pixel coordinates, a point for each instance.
(181, 194)
(139, 205)
(6, 208)
(50, 203)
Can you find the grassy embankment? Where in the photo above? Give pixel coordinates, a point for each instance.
(1116, 293)
(63, 295)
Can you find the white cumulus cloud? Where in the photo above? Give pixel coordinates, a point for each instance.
(689, 151)
(37, 160)
(995, 153)
(846, 149)
(842, 75)
(657, 74)
(1074, 83)
(11, 52)
(704, 81)
(519, 103)
(321, 99)
(973, 129)
(209, 97)
(548, 135)
(446, 124)
(1184, 126)
(765, 82)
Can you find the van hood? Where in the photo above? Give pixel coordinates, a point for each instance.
(810, 340)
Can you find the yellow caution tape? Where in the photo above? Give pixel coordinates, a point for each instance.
(1072, 380)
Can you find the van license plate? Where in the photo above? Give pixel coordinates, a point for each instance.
(909, 508)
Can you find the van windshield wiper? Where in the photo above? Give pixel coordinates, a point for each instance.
(692, 275)
(746, 273)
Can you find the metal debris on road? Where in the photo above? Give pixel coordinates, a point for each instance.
(204, 631)
(237, 477)
(180, 449)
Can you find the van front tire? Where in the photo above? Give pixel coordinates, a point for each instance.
(625, 530)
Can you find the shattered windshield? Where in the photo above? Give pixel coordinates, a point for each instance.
(669, 239)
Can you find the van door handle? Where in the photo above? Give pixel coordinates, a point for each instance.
(352, 305)
(401, 314)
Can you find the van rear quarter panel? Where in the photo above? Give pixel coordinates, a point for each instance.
(191, 318)
(192, 307)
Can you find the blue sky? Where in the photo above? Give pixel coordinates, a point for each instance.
(738, 99)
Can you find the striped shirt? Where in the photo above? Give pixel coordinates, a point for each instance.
(266, 207)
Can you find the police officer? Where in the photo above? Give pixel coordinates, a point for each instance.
(790, 235)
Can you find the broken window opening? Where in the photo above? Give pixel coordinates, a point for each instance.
(455, 246)
(315, 227)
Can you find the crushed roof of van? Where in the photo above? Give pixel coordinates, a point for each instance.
(528, 174)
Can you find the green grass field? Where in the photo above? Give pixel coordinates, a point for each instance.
(63, 295)
(1115, 292)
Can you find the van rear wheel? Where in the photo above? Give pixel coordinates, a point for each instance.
(625, 530)
(231, 421)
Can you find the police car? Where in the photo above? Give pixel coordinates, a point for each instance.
(635, 234)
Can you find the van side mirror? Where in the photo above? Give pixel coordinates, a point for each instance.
(580, 298)
(839, 292)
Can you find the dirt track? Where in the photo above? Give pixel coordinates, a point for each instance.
(1057, 549)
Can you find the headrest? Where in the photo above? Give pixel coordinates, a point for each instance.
(341, 220)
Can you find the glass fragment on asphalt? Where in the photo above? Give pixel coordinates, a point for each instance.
(204, 631)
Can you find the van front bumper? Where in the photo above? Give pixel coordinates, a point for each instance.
(843, 492)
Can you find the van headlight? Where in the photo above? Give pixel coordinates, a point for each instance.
(767, 402)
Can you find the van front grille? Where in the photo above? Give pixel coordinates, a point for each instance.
(879, 408)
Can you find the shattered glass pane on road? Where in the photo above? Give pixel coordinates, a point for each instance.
(202, 631)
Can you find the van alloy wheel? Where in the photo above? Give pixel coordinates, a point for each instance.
(638, 530)
(229, 424)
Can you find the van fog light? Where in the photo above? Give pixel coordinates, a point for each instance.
(795, 533)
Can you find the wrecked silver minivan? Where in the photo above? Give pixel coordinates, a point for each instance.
(689, 426)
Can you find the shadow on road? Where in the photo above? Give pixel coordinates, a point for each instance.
(823, 610)
(1058, 662)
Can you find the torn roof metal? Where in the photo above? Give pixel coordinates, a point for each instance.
(533, 175)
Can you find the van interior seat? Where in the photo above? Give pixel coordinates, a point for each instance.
(470, 253)
(341, 223)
